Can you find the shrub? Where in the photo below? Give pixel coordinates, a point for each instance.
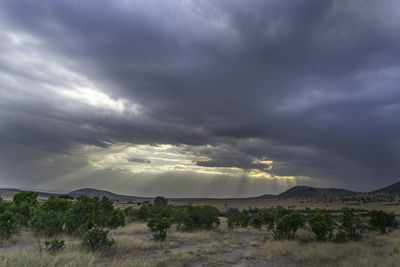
(350, 224)
(95, 239)
(160, 202)
(22, 205)
(239, 219)
(145, 211)
(197, 217)
(159, 225)
(256, 221)
(49, 217)
(340, 237)
(131, 213)
(321, 224)
(8, 224)
(54, 246)
(382, 220)
(88, 213)
(288, 225)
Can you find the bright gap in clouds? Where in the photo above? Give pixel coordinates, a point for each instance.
(156, 159)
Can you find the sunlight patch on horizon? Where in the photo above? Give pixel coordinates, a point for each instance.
(166, 158)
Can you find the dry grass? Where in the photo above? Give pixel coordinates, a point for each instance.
(134, 247)
(131, 229)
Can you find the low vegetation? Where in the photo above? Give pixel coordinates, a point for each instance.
(92, 226)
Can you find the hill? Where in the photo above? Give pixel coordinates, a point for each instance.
(391, 189)
(314, 192)
(91, 192)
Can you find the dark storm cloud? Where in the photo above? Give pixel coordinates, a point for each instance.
(311, 85)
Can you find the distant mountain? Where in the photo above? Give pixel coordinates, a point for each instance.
(392, 189)
(314, 192)
(91, 192)
(294, 192)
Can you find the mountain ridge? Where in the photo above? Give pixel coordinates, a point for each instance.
(299, 191)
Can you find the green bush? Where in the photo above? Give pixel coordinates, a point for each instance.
(197, 217)
(96, 239)
(88, 213)
(321, 223)
(256, 221)
(350, 224)
(49, 217)
(131, 213)
(23, 204)
(382, 220)
(340, 237)
(54, 246)
(239, 219)
(288, 225)
(159, 225)
(160, 202)
(8, 224)
(145, 211)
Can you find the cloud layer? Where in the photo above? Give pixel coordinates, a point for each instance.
(270, 93)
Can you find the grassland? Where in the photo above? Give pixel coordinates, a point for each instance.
(221, 247)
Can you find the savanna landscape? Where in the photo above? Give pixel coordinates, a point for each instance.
(199, 133)
(329, 228)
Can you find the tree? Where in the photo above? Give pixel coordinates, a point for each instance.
(160, 202)
(350, 224)
(49, 217)
(88, 213)
(321, 223)
(23, 205)
(197, 217)
(382, 220)
(95, 239)
(288, 225)
(8, 224)
(159, 225)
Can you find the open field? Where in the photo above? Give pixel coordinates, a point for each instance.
(297, 204)
(238, 247)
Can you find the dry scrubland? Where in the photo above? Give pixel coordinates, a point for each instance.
(241, 246)
(392, 205)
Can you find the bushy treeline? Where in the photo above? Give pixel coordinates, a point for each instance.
(284, 223)
(89, 218)
(92, 218)
(160, 217)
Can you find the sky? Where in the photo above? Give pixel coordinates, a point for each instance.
(207, 98)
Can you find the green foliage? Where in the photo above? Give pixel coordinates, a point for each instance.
(239, 219)
(160, 202)
(145, 211)
(287, 226)
(350, 224)
(8, 222)
(88, 213)
(321, 224)
(131, 213)
(340, 237)
(54, 246)
(23, 204)
(257, 221)
(255, 217)
(96, 239)
(49, 217)
(197, 217)
(382, 220)
(159, 225)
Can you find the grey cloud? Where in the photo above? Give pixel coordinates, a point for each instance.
(311, 85)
